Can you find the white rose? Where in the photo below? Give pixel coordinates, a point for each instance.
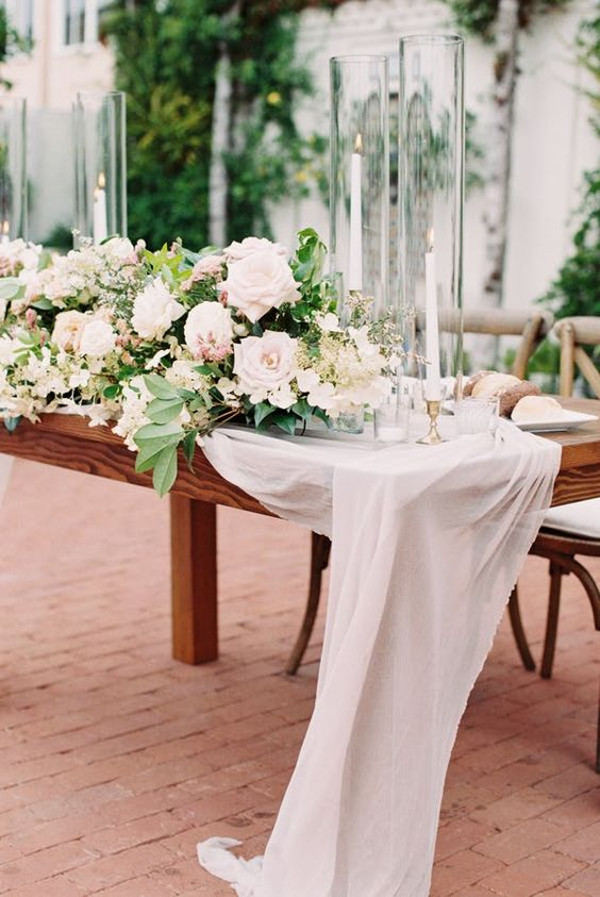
(258, 283)
(235, 252)
(68, 327)
(117, 249)
(154, 310)
(264, 364)
(98, 339)
(209, 332)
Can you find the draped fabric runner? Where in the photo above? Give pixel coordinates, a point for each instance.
(427, 544)
(6, 466)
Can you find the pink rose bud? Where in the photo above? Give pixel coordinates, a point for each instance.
(31, 318)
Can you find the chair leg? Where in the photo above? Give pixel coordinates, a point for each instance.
(319, 559)
(556, 575)
(598, 740)
(514, 611)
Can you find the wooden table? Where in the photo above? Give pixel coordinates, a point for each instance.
(68, 441)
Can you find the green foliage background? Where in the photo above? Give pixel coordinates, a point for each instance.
(576, 289)
(479, 16)
(166, 55)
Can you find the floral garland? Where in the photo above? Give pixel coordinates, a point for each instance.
(171, 344)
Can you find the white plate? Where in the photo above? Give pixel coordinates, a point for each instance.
(568, 420)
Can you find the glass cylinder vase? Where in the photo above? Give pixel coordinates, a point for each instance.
(13, 169)
(430, 187)
(359, 179)
(100, 165)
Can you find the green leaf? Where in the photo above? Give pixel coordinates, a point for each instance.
(158, 431)
(147, 456)
(9, 287)
(322, 415)
(286, 422)
(42, 304)
(155, 437)
(261, 412)
(189, 447)
(112, 391)
(163, 411)
(165, 470)
(208, 370)
(303, 409)
(11, 423)
(159, 387)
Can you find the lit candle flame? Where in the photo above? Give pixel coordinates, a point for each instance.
(101, 181)
(430, 241)
(358, 144)
(5, 228)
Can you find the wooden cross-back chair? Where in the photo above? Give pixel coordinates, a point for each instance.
(573, 530)
(531, 327)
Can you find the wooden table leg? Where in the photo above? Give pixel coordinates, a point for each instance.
(194, 580)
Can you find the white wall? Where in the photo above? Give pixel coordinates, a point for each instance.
(553, 142)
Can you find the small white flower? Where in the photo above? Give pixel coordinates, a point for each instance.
(284, 397)
(307, 379)
(329, 323)
(259, 282)
(97, 339)
(8, 348)
(322, 395)
(156, 359)
(79, 378)
(154, 310)
(208, 331)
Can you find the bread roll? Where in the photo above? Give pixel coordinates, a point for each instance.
(536, 408)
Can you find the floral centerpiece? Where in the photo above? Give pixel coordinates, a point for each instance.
(171, 344)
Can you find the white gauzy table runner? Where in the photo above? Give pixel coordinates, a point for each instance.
(6, 466)
(427, 544)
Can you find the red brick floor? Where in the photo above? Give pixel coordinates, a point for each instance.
(115, 760)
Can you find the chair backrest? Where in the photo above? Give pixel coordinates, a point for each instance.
(574, 333)
(531, 325)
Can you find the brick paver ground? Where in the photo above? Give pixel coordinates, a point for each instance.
(115, 760)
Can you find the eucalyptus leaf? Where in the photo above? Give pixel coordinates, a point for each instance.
(158, 436)
(165, 470)
(147, 456)
(163, 411)
(159, 387)
(9, 288)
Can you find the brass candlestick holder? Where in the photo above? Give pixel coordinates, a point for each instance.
(433, 437)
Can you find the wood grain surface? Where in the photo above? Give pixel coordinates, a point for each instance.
(68, 441)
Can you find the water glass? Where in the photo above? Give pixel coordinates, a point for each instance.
(476, 416)
(392, 419)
